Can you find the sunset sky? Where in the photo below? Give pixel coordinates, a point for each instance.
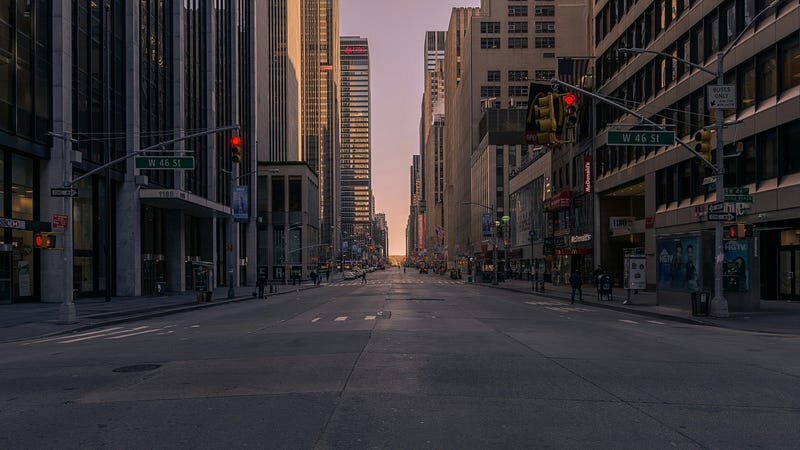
(396, 31)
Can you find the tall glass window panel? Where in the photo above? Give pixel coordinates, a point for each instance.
(768, 75)
(2, 184)
(749, 164)
(768, 154)
(790, 63)
(789, 141)
(21, 187)
(747, 85)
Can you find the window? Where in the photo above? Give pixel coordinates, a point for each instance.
(747, 85)
(517, 27)
(545, 42)
(768, 149)
(544, 11)
(490, 42)
(548, 55)
(518, 42)
(517, 75)
(490, 27)
(493, 75)
(545, 27)
(768, 75)
(789, 51)
(544, 75)
(517, 11)
(789, 140)
(518, 91)
(490, 91)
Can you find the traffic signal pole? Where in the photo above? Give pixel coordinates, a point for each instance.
(719, 305)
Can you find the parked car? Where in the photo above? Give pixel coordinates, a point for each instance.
(349, 275)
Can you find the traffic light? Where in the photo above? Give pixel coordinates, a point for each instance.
(703, 145)
(748, 230)
(738, 231)
(545, 119)
(730, 232)
(236, 149)
(44, 240)
(570, 109)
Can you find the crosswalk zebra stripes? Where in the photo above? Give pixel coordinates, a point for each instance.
(110, 333)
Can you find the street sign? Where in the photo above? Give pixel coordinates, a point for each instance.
(722, 96)
(532, 234)
(709, 180)
(63, 192)
(738, 199)
(716, 207)
(737, 191)
(649, 138)
(721, 217)
(164, 162)
(60, 221)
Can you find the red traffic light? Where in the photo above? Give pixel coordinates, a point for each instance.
(236, 140)
(38, 240)
(570, 99)
(732, 232)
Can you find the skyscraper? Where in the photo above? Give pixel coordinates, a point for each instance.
(355, 154)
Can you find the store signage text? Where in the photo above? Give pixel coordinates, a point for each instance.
(587, 174)
(581, 238)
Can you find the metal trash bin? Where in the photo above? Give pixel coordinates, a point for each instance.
(700, 303)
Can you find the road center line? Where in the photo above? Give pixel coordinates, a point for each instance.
(627, 321)
(315, 319)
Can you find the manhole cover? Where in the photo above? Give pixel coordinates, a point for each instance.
(137, 368)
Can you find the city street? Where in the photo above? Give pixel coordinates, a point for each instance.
(406, 361)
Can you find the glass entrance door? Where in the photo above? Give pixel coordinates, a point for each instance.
(788, 267)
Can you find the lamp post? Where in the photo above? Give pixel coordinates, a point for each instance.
(719, 305)
(494, 240)
(505, 220)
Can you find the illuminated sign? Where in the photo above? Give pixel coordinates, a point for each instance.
(587, 173)
(355, 50)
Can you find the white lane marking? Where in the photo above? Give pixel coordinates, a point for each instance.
(73, 335)
(100, 335)
(166, 332)
(195, 326)
(369, 317)
(134, 334)
(627, 321)
(340, 319)
(656, 322)
(315, 319)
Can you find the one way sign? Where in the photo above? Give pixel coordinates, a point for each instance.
(721, 217)
(63, 192)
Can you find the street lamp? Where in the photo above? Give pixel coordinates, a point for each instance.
(506, 220)
(494, 240)
(719, 305)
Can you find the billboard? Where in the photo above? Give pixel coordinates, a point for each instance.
(241, 204)
(678, 267)
(486, 224)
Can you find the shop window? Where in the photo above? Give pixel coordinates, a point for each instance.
(747, 85)
(22, 263)
(278, 194)
(21, 187)
(789, 141)
(295, 193)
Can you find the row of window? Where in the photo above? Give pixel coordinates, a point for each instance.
(518, 27)
(778, 71)
(538, 10)
(539, 42)
(513, 91)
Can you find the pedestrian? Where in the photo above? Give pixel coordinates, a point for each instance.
(260, 283)
(313, 277)
(596, 274)
(363, 277)
(575, 281)
(556, 275)
(327, 275)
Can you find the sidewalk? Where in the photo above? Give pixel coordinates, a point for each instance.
(28, 320)
(774, 317)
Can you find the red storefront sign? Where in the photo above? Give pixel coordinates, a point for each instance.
(561, 200)
(587, 173)
(573, 251)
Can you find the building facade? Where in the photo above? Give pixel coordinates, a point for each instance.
(355, 148)
(656, 198)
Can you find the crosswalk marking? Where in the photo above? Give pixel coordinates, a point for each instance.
(340, 319)
(656, 322)
(315, 319)
(74, 335)
(134, 334)
(369, 317)
(98, 336)
(627, 321)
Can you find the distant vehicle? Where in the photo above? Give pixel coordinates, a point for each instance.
(349, 275)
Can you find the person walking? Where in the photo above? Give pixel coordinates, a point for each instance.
(327, 276)
(363, 276)
(575, 281)
(260, 283)
(313, 276)
(596, 279)
(556, 276)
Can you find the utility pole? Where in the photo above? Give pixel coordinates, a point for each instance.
(66, 312)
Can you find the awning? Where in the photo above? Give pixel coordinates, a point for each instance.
(185, 201)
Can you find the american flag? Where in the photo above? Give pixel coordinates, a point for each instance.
(572, 70)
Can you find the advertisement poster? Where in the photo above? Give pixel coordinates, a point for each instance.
(240, 204)
(24, 279)
(678, 267)
(736, 267)
(635, 272)
(486, 224)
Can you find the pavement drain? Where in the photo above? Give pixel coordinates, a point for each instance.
(136, 368)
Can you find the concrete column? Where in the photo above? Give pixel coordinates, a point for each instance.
(175, 241)
(129, 232)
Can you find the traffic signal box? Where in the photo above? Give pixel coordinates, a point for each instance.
(703, 145)
(736, 231)
(570, 110)
(236, 149)
(44, 241)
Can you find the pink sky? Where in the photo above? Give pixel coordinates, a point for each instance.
(396, 31)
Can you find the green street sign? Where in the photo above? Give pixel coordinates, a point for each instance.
(737, 191)
(738, 199)
(164, 162)
(649, 138)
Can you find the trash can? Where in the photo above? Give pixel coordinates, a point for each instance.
(700, 303)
